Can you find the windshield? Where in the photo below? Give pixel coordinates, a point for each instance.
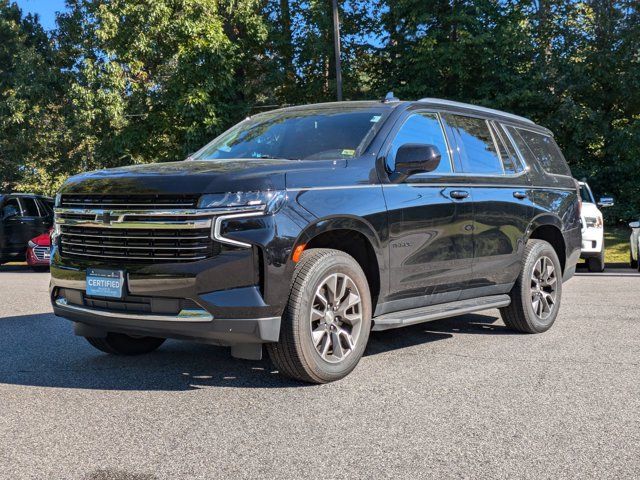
(585, 193)
(313, 134)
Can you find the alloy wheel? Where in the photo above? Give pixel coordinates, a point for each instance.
(336, 317)
(543, 287)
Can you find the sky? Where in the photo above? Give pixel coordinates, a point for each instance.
(46, 9)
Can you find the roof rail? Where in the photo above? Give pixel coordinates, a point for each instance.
(451, 103)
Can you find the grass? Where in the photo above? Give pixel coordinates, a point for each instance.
(616, 240)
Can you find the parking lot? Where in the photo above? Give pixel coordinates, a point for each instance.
(461, 397)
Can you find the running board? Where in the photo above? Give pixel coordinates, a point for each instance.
(436, 312)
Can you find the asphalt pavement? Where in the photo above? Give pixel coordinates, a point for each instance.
(457, 398)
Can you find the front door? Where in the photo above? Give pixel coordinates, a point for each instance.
(430, 223)
(14, 229)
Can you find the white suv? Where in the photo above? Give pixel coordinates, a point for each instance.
(592, 229)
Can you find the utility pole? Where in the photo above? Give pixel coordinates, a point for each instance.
(336, 46)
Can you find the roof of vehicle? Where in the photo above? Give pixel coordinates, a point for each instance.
(20, 194)
(438, 102)
(479, 109)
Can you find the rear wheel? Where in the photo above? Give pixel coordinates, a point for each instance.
(121, 344)
(632, 262)
(326, 324)
(536, 295)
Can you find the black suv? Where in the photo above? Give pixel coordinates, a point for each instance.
(22, 217)
(306, 228)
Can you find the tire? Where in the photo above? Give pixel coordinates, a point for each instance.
(335, 347)
(596, 264)
(121, 344)
(520, 314)
(632, 263)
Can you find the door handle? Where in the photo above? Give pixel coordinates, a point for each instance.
(520, 195)
(459, 194)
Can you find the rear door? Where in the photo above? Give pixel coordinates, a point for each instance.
(34, 218)
(430, 222)
(502, 201)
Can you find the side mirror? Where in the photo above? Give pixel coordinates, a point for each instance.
(605, 202)
(417, 158)
(634, 224)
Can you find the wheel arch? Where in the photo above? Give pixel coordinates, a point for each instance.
(356, 237)
(549, 228)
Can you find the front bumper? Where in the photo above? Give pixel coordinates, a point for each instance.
(218, 300)
(199, 326)
(592, 242)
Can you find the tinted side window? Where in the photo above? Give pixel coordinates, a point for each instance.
(30, 208)
(11, 208)
(46, 207)
(423, 128)
(544, 149)
(507, 154)
(585, 194)
(476, 147)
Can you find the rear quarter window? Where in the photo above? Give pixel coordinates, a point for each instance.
(541, 147)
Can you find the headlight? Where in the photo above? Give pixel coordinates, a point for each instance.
(267, 201)
(593, 222)
(240, 205)
(31, 244)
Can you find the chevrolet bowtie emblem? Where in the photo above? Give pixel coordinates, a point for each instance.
(107, 218)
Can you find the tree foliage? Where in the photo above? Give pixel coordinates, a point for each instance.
(133, 81)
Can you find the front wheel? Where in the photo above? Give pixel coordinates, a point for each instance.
(121, 344)
(596, 264)
(536, 295)
(325, 326)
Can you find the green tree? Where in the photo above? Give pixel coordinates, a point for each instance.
(153, 80)
(30, 89)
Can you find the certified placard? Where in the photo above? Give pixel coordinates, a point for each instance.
(105, 283)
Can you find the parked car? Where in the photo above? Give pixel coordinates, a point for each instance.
(22, 217)
(307, 227)
(39, 251)
(593, 247)
(634, 242)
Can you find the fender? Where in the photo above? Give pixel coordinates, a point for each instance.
(356, 224)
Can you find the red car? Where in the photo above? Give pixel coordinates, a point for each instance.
(39, 251)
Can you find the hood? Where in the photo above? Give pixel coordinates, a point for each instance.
(590, 210)
(43, 240)
(192, 177)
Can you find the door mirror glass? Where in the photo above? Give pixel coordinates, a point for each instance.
(634, 224)
(9, 211)
(605, 202)
(413, 158)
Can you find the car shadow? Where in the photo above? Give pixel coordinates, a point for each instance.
(20, 268)
(41, 350)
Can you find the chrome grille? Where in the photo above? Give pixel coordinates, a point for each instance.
(141, 231)
(42, 253)
(139, 245)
